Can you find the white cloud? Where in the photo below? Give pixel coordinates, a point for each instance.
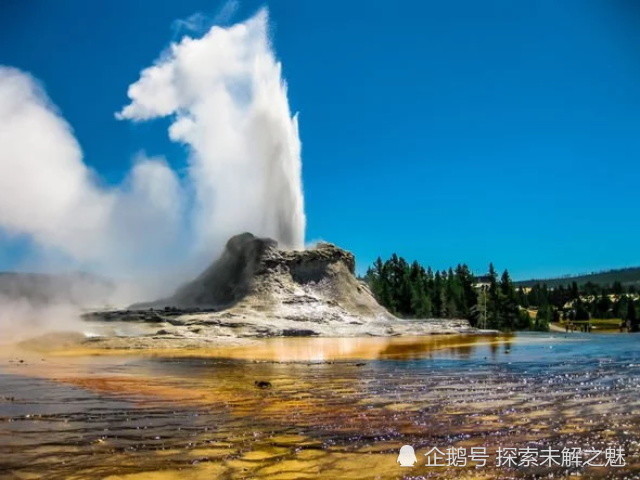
(47, 190)
(50, 194)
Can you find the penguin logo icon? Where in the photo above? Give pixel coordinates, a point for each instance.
(407, 457)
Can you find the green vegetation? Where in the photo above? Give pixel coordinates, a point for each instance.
(600, 324)
(602, 307)
(412, 291)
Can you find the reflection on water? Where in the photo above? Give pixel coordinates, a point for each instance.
(333, 408)
(315, 349)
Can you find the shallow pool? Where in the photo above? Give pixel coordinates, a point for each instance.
(321, 408)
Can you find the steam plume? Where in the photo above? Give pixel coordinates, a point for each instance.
(228, 105)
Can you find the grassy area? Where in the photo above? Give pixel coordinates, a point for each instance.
(596, 323)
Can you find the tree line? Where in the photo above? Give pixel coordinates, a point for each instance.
(410, 290)
(585, 302)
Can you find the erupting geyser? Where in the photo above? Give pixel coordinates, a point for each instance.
(229, 105)
(227, 102)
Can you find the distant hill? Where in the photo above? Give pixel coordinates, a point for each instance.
(40, 288)
(626, 276)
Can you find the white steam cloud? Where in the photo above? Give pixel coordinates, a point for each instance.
(227, 102)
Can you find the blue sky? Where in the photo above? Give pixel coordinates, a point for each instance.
(447, 132)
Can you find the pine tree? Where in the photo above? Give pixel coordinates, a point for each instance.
(439, 298)
(543, 317)
(581, 312)
(509, 312)
(575, 293)
(602, 306)
(632, 317)
(469, 297)
(493, 300)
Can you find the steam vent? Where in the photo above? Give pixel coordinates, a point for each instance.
(256, 289)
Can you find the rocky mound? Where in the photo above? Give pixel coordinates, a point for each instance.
(226, 281)
(257, 289)
(252, 274)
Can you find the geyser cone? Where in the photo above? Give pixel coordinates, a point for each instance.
(257, 289)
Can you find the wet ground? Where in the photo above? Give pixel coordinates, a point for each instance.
(321, 408)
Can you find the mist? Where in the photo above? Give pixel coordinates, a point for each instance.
(227, 103)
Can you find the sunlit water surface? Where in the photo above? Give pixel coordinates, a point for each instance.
(335, 408)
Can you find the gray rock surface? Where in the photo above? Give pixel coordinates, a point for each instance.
(256, 289)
